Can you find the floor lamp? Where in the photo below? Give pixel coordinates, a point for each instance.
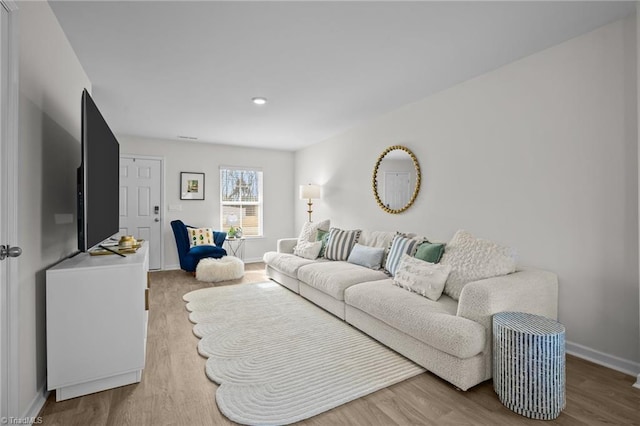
(309, 192)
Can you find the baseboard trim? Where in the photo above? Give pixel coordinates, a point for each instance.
(170, 267)
(610, 361)
(33, 411)
(637, 383)
(253, 260)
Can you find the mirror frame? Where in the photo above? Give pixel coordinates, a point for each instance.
(375, 181)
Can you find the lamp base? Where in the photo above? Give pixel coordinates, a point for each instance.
(310, 210)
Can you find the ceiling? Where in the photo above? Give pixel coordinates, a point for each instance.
(182, 68)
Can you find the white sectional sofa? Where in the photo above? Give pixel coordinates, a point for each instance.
(451, 338)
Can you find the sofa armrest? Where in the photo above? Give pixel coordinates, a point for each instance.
(533, 291)
(286, 245)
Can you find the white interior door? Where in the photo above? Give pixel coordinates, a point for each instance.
(141, 203)
(8, 211)
(396, 189)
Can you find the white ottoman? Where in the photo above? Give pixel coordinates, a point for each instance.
(216, 270)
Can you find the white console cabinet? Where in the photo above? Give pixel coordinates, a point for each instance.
(96, 322)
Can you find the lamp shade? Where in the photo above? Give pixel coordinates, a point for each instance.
(309, 192)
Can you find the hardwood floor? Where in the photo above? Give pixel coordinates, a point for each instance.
(175, 391)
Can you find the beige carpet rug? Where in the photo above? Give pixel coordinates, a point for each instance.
(280, 359)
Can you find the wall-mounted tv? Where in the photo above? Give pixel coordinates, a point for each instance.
(98, 178)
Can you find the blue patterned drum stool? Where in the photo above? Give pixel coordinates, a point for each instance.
(529, 364)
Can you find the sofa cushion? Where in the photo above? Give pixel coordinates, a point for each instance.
(307, 249)
(310, 229)
(423, 278)
(430, 252)
(207, 251)
(400, 245)
(434, 323)
(200, 236)
(369, 257)
(323, 237)
(334, 277)
(473, 259)
(286, 263)
(340, 243)
(378, 239)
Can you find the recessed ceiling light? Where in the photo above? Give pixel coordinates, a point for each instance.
(259, 101)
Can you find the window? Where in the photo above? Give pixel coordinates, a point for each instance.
(241, 200)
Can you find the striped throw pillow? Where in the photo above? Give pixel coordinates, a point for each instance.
(340, 243)
(400, 245)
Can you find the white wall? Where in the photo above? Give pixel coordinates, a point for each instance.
(51, 83)
(181, 156)
(540, 155)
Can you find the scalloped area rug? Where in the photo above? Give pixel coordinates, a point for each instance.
(280, 359)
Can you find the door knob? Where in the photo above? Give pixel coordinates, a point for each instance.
(6, 251)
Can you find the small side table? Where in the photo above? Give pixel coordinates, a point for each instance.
(529, 364)
(235, 247)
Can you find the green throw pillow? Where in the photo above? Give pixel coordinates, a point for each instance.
(324, 237)
(430, 252)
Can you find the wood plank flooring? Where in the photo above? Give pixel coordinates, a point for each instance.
(175, 391)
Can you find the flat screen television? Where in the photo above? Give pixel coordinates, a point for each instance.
(98, 178)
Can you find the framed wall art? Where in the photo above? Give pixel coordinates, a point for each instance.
(191, 186)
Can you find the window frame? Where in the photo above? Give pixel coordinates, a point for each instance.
(259, 203)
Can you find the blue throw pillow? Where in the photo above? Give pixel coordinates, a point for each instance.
(369, 257)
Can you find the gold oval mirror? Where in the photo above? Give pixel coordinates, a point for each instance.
(396, 179)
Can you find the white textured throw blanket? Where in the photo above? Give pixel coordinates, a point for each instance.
(280, 359)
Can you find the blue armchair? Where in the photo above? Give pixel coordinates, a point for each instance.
(190, 256)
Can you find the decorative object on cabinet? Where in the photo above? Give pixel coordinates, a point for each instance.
(127, 241)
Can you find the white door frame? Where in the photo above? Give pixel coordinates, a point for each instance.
(9, 370)
(162, 210)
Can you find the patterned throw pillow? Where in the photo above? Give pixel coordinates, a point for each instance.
(340, 243)
(424, 278)
(473, 259)
(308, 250)
(200, 236)
(400, 245)
(322, 236)
(309, 230)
